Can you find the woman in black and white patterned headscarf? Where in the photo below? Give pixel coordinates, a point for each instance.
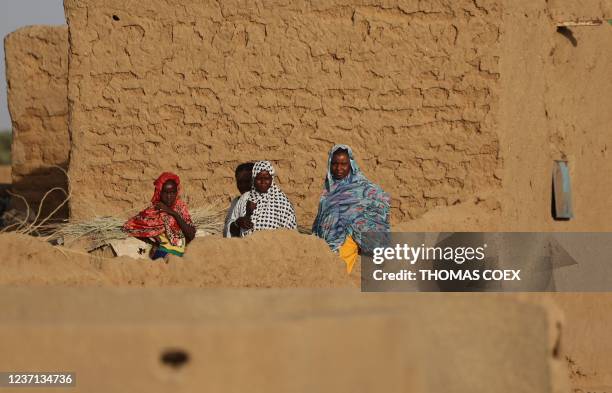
(265, 206)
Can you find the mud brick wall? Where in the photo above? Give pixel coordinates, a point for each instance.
(384, 342)
(556, 89)
(37, 72)
(198, 87)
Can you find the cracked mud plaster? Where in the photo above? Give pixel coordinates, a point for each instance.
(37, 78)
(199, 87)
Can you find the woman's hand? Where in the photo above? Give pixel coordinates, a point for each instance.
(188, 230)
(165, 208)
(244, 222)
(250, 208)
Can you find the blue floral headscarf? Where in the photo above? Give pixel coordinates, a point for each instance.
(350, 206)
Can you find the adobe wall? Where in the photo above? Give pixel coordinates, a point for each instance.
(36, 73)
(412, 86)
(236, 341)
(586, 348)
(563, 89)
(556, 91)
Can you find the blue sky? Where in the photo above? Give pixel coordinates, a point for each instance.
(13, 15)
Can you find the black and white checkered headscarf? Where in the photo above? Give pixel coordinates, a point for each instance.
(273, 209)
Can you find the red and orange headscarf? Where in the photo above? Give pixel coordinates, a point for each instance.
(152, 222)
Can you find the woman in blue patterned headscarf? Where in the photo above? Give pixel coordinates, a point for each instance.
(349, 206)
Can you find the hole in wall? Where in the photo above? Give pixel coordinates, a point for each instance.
(556, 351)
(174, 358)
(567, 33)
(115, 17)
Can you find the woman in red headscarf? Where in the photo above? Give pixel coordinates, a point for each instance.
(166, 223)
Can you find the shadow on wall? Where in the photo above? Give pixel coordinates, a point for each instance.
(567, 33)
(6, 138)
(42, 183)
(5, 160)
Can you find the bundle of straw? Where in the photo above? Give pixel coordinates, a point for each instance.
(100, 231)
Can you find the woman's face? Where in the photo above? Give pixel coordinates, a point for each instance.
(340, 165)
(168, 193)
(263, 181)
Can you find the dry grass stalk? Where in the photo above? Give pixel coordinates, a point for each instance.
(102, 230)
(97, 231)
(34, 226)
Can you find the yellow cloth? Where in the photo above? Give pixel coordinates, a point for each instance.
(165, 245)
(349, 252)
